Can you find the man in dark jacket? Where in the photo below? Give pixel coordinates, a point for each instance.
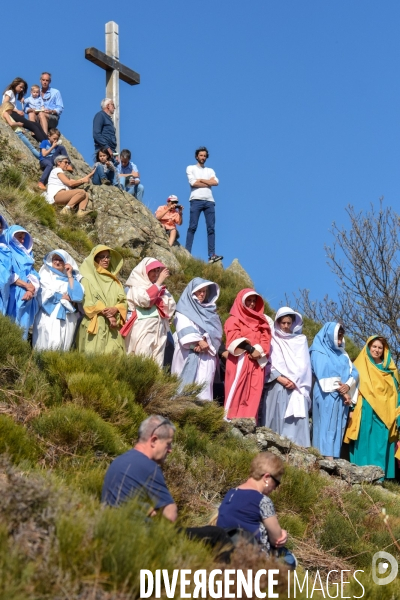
(103, 128)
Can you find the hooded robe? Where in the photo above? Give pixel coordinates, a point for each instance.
(195, 321)
(21, 311)
(375, 417)
(6, 272)
(330, 365)
(56, 321)
(282, 410)
(152, 307)
(244, 377)
(102, 289)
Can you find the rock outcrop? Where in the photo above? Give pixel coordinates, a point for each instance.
(307, 459)
(118, 218)
(236, 268)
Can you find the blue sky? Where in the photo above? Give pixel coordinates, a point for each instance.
(297, 100)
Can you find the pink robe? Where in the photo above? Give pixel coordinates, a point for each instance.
(244, 378)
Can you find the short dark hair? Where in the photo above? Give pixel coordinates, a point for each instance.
(201, 149)
(53, 131)
(126, 154)
(45, 73)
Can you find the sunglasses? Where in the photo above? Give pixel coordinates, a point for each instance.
(164, 422)
(277, 482)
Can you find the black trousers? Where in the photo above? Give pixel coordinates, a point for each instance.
(27, 124)
(216, 537)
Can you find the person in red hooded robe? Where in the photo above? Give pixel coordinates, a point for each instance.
(248, 341)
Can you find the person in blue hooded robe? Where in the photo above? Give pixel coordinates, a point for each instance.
(334, 391)
(199, 333)
(6, 272)
(59, 295)
(22, 304)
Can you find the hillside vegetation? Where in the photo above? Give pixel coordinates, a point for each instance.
(64, 416)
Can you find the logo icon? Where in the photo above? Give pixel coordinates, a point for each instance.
(384, 563)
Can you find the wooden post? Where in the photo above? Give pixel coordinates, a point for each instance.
(112, 77)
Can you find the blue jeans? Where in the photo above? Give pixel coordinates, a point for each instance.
(196, 208)
(27, 143)
(47, 163)
(99, 174)
(135, 190)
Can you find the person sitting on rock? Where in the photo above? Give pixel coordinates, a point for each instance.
(52, 103)
(34, 107)
(16, 91)
(6, 110)
(49, 150)
(129, 176)
(104, 169)
(249, 508)
(170, 215)
(61, 189)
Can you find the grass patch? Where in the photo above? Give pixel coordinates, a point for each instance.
(12, 177)
(78, 239)
(38, 208)
(16, 441)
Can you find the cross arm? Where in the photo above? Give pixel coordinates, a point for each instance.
(110, 64)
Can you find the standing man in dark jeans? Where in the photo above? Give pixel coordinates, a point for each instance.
(201, 180)
(104, 135)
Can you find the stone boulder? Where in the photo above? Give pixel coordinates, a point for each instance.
(352, 473)
(236, 268)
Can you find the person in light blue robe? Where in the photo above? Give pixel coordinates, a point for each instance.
(334, 391)
(22, 304)
(6, 272)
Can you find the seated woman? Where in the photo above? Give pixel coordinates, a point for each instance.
(199, 334)
(6, 110)
(286, 397)
(376, 415)
(104, 303)
(249, 508)
(22, 304)
(56, 321)
(334, 390)
(16, 91)
(248, 341)
(6, 272)
(104, 170)
(152, 306)
(61, 189)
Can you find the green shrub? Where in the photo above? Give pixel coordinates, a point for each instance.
(16, 442)
(11, 176)
(38, 208)
(78, 430)
(300, 491)
(11, 342)
(78, 239)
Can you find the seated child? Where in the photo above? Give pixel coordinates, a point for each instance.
(170, 215)
(49, 149)
(5, 113)
(104, 168)
(33, 103)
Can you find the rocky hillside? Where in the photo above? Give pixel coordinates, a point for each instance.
(64, 416)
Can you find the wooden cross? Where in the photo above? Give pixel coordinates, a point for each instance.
(113, 68)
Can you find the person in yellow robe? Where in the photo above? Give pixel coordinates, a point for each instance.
(104, 303)
(372, 431)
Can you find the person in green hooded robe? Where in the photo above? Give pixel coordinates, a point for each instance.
(104, 303)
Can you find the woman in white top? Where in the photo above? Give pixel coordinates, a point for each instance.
(60, 189)
(16, 91)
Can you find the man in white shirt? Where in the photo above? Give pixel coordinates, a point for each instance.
(201, 180)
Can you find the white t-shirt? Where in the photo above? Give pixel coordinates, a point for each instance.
(194, 172)
(55, 185)
(12, 97)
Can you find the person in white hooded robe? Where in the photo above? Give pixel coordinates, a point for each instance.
(198, 336)
(60, 290)
(286, 400)
(152, 307)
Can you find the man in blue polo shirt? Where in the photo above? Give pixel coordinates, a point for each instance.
(138, 472)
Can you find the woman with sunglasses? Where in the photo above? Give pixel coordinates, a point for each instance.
(248, 507)
(61, 189)
(335, 389)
